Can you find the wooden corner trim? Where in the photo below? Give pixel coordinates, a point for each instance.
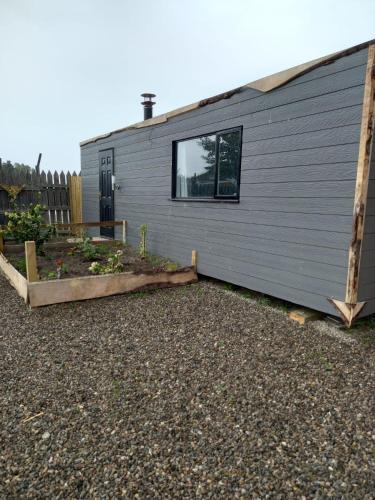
(361, 188)
(348, 312)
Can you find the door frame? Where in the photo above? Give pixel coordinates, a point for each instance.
(107, 231)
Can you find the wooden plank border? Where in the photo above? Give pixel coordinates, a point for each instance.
(42, 293)
(15, 278)
(91, 287)
(350, 308)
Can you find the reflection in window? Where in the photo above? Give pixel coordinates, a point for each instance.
(196, 168)
(227, 173)
(208, 166)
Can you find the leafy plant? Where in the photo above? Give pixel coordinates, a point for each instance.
(20, 265)
(171, 266)
(88, 249)
(102, 249)
(113, 264)
(51, 275)
(28, 226)
(143, 242)
(154, 260)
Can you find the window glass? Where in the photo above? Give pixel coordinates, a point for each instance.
(196, 160)
(208, 166)
(228, 163)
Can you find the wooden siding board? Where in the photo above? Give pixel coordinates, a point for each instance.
(193, 215)
(307, 140)
(290, 232)
(188, 229)
(300, 205)
(177, 250)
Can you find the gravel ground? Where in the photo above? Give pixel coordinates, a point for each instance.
(181, 393)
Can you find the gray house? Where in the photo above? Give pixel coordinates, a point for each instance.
(270, 182)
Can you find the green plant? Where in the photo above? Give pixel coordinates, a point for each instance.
(116, 388)
(321, 359)
(265, 301)
(102, 249)
(51, 275)
(113, 264)
(20, 265)
(141, 293)
(143, 242)
(154, 260)
(229, 287)
(87, 248)
(171, 266)
(28, 226)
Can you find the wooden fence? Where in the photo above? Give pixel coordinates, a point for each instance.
(61, 194)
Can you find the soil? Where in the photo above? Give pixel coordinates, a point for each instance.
(75, 264)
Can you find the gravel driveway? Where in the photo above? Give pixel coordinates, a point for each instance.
(181, 393)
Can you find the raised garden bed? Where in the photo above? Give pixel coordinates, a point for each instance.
(66, 272)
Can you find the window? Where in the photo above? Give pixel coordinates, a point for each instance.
(208, 166)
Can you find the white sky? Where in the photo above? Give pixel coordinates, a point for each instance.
(73, 69)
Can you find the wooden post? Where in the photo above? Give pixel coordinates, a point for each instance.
(75, 199)
(124, 231)
(194, 259)
(363, 174)
(350, 308)
(1, 242)
(30, 257)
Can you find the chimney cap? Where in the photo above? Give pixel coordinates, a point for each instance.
(147, 105)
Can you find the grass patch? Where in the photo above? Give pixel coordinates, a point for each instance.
(322, 360)
(20, 265)
(116, 389)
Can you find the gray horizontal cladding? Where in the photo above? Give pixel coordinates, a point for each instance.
(290, 233)
(279, 283)
(367, 268)
(368, 309)
(327, 206)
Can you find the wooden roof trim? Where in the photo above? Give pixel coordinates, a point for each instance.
(262, 85)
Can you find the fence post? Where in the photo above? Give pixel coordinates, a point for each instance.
(75, 199)
(30, 257)
(1, 242)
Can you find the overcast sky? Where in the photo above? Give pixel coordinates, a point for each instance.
(73, 69)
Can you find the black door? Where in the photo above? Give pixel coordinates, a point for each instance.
(106, 172)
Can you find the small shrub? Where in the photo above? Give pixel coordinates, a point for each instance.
(27, 226)
(51, 275)
(102, 249)
(20, 265)
(88, 249)
(113, 264)
(171, 266)
(154, 260)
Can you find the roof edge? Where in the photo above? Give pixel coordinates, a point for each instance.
(265, 85)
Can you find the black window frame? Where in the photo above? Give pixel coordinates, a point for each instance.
(215, 197)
